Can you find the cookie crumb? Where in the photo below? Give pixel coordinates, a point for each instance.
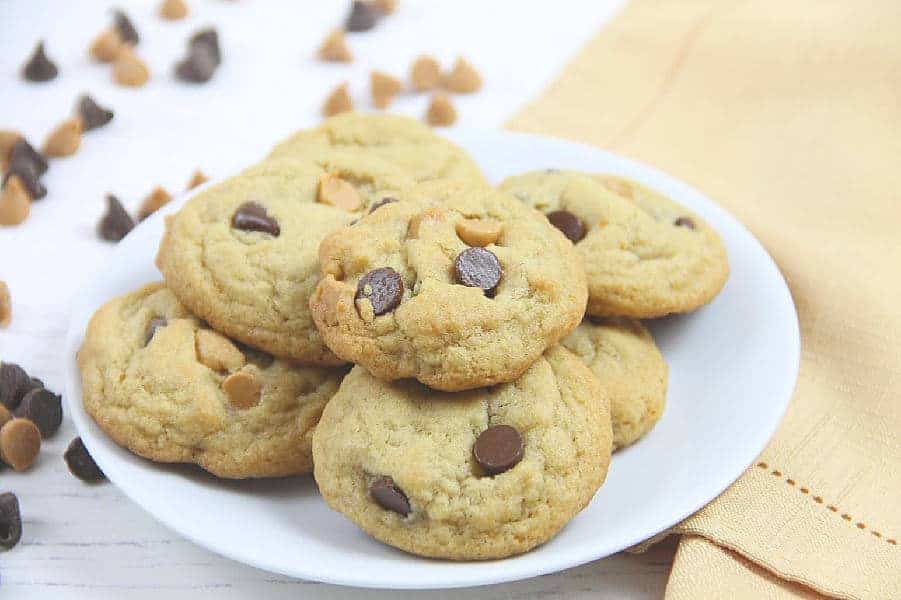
(425, 73)
(6, 313)
(478, 232)
(463, 78)
(39, 68)
(334, 48)
(20, 443)
(243, 389)
(216, 351)
(384, 88)
(65, 139)
(157, 199)
(338, 101)
(386, 7)
(116, 223)
(198, 178)
(8, 141)
(129, 70)
(336, 192)
(441, 112)
(106, 46)
(173, 10)
(15, 203)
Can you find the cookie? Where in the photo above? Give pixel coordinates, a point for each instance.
(457, 285)
(470, 475)
(645, 256)
(623, 355)
(401, 141)
(162, 384)
(242, 254)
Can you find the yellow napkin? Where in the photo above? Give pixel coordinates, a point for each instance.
(788, 113)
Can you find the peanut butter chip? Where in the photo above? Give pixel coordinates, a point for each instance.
(198, 178)
(173, 9)
(463, 78)
(336, 192)
(157, 199)
(243, 389)
(384, 88)
(8, 140)
(14, 202)
(334, 48)
(20, 442)
(217, 352)
(6, 308)
(65, 139)
(4, 415)
(129, 70)
(441, 112)
(425, 72)
(337, 102)
(478, 232)
(386, 7)
(106, 46)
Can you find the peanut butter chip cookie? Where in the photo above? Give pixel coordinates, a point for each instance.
(481, 474)
(404, 295)
(645, 255)
(243, 255)
(622, 353)
(161, 384)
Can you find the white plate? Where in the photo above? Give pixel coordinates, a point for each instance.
(733, 366)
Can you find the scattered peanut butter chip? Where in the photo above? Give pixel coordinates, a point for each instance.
(198, 178)
(463, 78)
(441, 112)
(8, 140)
(478, 232)
(338, 101)
(106, 46)
(243, 389)
(39, 68)
(217, 352)
(362, 17)
(6, 308)
(20, 442)
(384, 88)
(92, 114)
(157, 199)
(116, 222)
(334, 48)
(15, 203)
(4, 415)
(126, 29)
(425, 73)
(336, 192)
(386, 7)
(65, 139)
(129, 70)
(173, 10)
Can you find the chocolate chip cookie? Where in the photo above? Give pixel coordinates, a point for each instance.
(401, 141)
(159, 382)
(470, 475)
(645, 256)
(631, 369)
(242, 255)
(456, 284)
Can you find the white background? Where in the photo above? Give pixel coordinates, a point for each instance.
(90, 541)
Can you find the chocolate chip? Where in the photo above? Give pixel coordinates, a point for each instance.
(116, 223)
(498, 449)
(381, 203)
(383, 287)
(125, 28)
(14, 384)
(155, 323)
(81, 464)
(568, 223)
(43, 408)
(199, 66)
(24, 153)
(362, 17)
(29, 178)
(39, 67)
(10, 520)
(92, 114)
(208, 38)
(478, 268)
(390, 497)
(684, 222)
(251, 216)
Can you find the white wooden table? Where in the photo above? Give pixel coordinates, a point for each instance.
(90, 541)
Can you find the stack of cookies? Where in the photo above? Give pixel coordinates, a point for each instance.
(497, 356)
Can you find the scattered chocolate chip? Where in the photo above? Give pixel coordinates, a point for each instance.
(126, 29)
(208, 38)
(362, 17)
(92, 114)
(10, 520)
(199, 65)
(39, 67)
(478, 268)
(81, 464)
(28, 178)
(14, 384)
(390, 497)
(35, 383)
(568, 223)
(24, 153)
(251, 216)
(116, 223)
(384, 289)
(43, 408)
(20, 443)
(155, 323)
(684, 222)
(381, 203)
(498, 449)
